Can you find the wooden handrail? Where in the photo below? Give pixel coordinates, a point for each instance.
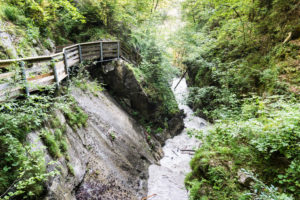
(57, 65)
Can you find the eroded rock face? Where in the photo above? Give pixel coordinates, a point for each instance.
(10, 40)
(105, 167)
(122, 81)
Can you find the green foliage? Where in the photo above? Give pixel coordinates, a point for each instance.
(51, 143)
(71, 169)
(213, 103)
(83, 81)
(234, 48)
(264, 137)
(262, 191)
(76, 117)
(23, 171)
(11, 13)
(156, 71)
(112, 135)
(20, 117)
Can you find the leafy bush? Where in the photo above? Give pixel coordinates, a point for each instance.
(264, 138)
(236, 47)
(11, 13)
(213, 103)
(22, 168)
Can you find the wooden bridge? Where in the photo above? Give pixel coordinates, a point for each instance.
(25, 75)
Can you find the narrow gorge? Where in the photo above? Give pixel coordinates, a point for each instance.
(149, 99)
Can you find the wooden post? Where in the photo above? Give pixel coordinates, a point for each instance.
(22, 66)
(118, 49)
(55, 73)
(101, 50)
(66, 64)
(80, 53)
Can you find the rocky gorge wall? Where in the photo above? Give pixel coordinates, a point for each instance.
(121, 80)
(109, 158)
(111, 155)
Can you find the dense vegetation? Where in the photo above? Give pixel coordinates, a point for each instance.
(23, 167)
(67, 22)
(263, 139)
(42, 24)
(242, 58)
(235, 48)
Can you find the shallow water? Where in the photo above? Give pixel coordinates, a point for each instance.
(166, 181)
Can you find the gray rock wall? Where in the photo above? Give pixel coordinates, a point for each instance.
(123, 83)
(105, 167)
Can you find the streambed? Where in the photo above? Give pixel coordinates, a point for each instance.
(166, 181)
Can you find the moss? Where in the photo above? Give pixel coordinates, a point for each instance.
(64, 145)
(55, 122)
(71, 169)
(76, 117)
(58, 134)
(51, 144)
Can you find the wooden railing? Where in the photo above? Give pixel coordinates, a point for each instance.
(25, 75)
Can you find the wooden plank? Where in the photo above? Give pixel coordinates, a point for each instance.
(90, 46)
(42, 81)
(91, 55)
(90, 50)
(111, 51)
(10, 94)
(110, 42)
(58, 57)
(69, 55)
(110, 46)
(73, 62)
(74, 57)
(36, 69)
(7, 75)
(5, 65)
(60, 64)
(39, 77)
(4, 86)
(110, 55)
(60, 69)
(10, 90)
(70, 47)
(41, 85)
(62, 76)
(71, 50)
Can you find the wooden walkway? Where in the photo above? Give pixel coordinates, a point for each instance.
(25, 75)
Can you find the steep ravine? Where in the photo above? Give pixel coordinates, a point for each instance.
(166, 179)
(112, 154)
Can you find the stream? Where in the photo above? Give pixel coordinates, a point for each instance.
(166, 181)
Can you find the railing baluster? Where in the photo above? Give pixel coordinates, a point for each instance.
(55, 73)
(101, 50)
(80, 53)
(66, 64)
(118, 49)
(22, 66)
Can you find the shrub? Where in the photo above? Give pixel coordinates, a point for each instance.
(11, 13)
(263, 138)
